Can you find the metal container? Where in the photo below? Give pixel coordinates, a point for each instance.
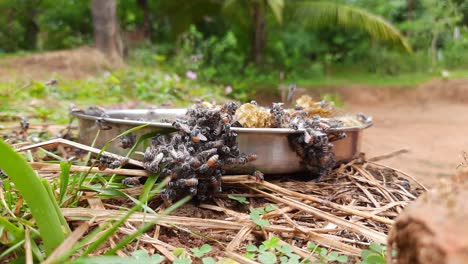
(275, 155)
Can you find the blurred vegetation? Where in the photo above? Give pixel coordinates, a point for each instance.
(212, 40)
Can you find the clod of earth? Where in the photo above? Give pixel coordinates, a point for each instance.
(433, 229)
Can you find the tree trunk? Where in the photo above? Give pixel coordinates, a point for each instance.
(31, 27)
(32, 30)
(258, 32)
(143, 4)
(410, 14)
(106, 30)
(435, 38)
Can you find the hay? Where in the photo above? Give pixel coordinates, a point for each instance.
(345, 211)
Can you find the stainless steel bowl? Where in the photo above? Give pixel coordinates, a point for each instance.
(275, 155)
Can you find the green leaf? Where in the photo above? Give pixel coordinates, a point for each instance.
(284, 259)
(251, 248)
(293, 258)
(271, 243)
(240, 199)
(311, 246)
(375, 259)
(256, 214)
(140, 254)
(178, 251)
(182, 261)
(262, 248)
(250, 255)
(270, 207)
(284, 249)
(365, 253)
(342, 259)
(208, 260)
(200, 252)
(267, 257)
(205, 248)
(332, 256)
(376, 247)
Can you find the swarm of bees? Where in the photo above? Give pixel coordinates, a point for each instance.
(314, 146)
(204, 143)
(193, 158)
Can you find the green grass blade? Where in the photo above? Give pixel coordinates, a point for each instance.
(64, 179)
(12, 249)
(120, 135)
(145, 137)
(144, 196)
(64, 223)
(17, 232)
(35, 195)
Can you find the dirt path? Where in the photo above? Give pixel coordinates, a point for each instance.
(435, 132)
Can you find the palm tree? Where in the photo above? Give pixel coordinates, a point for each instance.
(319, 13)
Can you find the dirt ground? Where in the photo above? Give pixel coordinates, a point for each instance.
(430, 120)
(435, 130)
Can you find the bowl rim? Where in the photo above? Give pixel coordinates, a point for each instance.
(80, 115)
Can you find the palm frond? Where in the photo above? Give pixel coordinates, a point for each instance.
(277, 7)
(329, 13)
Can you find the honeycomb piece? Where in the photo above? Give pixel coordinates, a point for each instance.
(250, 115)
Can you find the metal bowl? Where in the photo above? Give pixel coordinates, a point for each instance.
(275, 155)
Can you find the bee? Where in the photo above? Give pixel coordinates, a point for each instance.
(154, 165)
(252, 157)
(259, 176)
(24, 124)
(224, 150)
(197, 136)
(225, 118)
(167, 195)
(182, 127)
(102, 124)
(104, 162)
(213, 161)
(194, 162)
(149, 155)
(207, 153)
(191, 182)
(96, 111)
(114, 164)
(215, 144)
(204, 168)
(132, 181)
(127, 141)
(230, 108)
(3, 174)
(216, 183)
